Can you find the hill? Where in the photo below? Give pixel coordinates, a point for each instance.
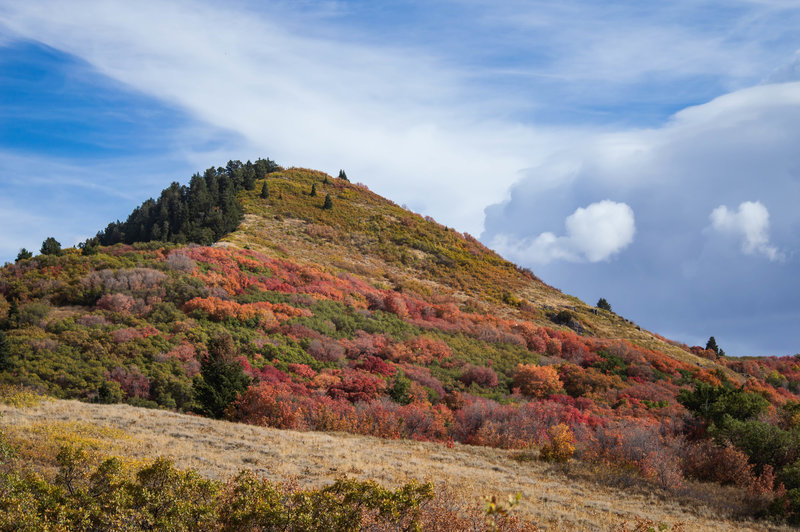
(330, 308)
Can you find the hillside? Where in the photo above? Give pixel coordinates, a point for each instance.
(573, 497)
(332, 309)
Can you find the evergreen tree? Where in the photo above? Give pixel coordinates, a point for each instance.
(89, 247)
(249, 176)
(401, 389)
(265, 190)
(23, 255)
(5, 352)
(51, 246)
(313, 189)
(602, 304)
(343, 175)
(712, 345)
(328, 202)
(221, 378)
(13, 314)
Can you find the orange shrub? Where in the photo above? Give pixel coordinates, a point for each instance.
(537, 381)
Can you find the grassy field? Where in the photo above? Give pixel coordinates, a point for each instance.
(572, 497)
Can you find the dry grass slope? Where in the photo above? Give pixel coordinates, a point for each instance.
(574, 497)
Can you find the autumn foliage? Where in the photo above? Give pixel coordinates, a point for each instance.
(452, 353)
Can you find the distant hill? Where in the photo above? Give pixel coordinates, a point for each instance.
(323, 306)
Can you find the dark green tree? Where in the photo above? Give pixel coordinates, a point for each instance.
(602, 304)
(712, 345)
(249, 176)
(265, 191)
(328, 202)
(13, 314)
(401, 389)
(313, 189)
(5, 352)
(343, 175)
(90, 246)
(221, 378)
(715, 403)
(51, 246)
(23, 255)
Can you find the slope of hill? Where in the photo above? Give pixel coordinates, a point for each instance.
(570, 497)
(333, 309)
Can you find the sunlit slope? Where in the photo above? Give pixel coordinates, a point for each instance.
(372, 237)
(573, 497)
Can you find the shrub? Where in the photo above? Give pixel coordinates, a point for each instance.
(560, 448)
(537, 381)
(480, 375)
(358, 386)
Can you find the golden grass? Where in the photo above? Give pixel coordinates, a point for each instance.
(19, 396)
(575, 497)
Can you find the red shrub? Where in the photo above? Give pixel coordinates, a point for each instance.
(480, 375)
(357, 386)
(116, 303)
(375, 365)
(131, 381)
(302, 370)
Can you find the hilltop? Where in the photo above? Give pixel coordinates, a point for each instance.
(291, 299)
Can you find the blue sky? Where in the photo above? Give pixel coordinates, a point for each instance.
(641, 151)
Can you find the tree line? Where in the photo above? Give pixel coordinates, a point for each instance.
(202, 212)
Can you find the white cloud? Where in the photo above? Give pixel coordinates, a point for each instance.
(397, 118)
(594, 233)
(750, 223)
(679, 276)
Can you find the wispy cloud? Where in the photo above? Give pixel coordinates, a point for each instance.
(395, 118)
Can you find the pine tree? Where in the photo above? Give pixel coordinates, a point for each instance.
(343, 175)
(313, 189)
(12, 320)
(328, 202)
(712, 345)
(221, 378)
(51, 246)
(264, 191)
(5, 352)
(23, 255)
(602, 304)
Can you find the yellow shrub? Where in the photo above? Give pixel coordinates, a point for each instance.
(560, 448)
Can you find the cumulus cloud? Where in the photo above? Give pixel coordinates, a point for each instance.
(677, 278)
(750, 223)
(593, 234)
